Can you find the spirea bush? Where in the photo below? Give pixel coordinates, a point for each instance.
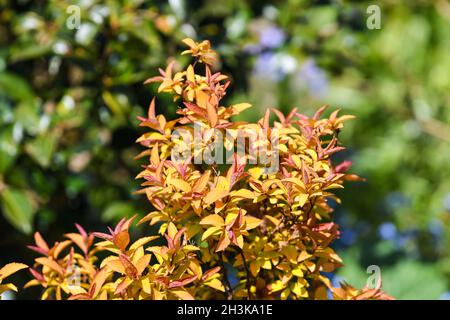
(242, 208)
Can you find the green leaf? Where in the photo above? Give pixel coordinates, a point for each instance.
(18, 208)
(15, 87)
(8, 150)
(117, 210)
(31, 51)
(27, 114)
(41, 149)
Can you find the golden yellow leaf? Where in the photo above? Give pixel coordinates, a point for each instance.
(285, 294)
(72, 289)
(240, 241)
(231, 216)
(223, 183)
(152, 215)
(215, 284)
(256, 172)
(142, 241)
(255, 266)
(215, 195)
(122, 239)
(310, 265)
(154, 158)
(146, 285)
(137, 254)
(123, 285)
(171, 230)
(296, 181)
(78, 240)
(143, 263)
(202, 182)
(299, 290)
(252, 222)
(298, 272)
(242, 194)
(7, 287)
(189, 247)
(50, 264)
(60, 247)
(303, 256)
(344, 118)
(31, 283)
(156, 136)
(334, 186)
(11, 268)
(312, 153)
(211, 231)
(180, 184)
(277, 286)
(297, 160)
(301, 199)
(282, 148)
(115, 265)
(274, 220)
(183, 294)
(214, 220)
(238, 108)
(190, 74)
(40, 242)
(212, 114)
(267, 265)
(224, 242)
(290, 252)
(189, 42)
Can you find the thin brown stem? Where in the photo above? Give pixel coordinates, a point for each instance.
(279, 227)
(248, 284)
(228, 289)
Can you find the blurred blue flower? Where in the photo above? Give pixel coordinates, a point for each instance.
(395, 200)
(335, 282)
(402, 239)
(7, 295)
(348, 237)
(232, 275)
(445, 296)
(274, 66)
(436, 228)
(446, 201)
(265, 66)
(252, 48)
(387, 231)
(313, 78)
(271, 37)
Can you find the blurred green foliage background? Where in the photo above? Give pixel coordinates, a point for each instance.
(69, 100)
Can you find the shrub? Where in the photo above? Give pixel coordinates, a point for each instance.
(243, 229)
